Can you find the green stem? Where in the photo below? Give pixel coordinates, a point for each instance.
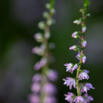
(46, 55)
(82, 50)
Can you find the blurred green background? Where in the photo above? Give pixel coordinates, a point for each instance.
(18, 24)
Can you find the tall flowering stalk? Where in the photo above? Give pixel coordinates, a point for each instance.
(43, 90)
(82, 88)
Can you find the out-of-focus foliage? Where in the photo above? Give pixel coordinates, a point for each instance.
(18, 24)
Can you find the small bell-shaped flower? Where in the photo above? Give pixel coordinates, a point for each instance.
(79, 99)
(70, 82)
(69, 97)
(83, 75)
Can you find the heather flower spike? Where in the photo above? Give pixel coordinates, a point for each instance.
(43, 91)
(81, 74)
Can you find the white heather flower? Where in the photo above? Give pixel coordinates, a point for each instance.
(83, 29)
(83, 75)
(77, 21)
(69, 82)
(87, 87)
(74, 35)
(69, 97)
(73, 47)
(79, 99)
(84, 43)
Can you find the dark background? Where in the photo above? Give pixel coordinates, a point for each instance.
(18, 24)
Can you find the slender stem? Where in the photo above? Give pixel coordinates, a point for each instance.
(46, 55)
(81, 53)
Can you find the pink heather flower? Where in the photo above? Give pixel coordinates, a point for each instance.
(87, 87)
(49, 99)
(79, 99)
(38, 50)
(49, 88)
(34, 98)
(86, 71)
(35, 87)
(38, 37)
(84, 59)
(73, 47)
(78, 56)
(42, 47)
(52, 75)
(69, 97)
(88, 98)
(83, 75)
(36, 78)
(69, 82)
(37, 66)
(84, 43)
(74, 67)
(43, 62)
(35, 50)
(83, 29)
(40, 64)
(68, 67)
(74, 35)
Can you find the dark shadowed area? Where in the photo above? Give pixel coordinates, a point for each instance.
(18, 24)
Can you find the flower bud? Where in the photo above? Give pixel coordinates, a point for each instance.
(74, 35)
(84, 43)
(52, 10)
(88, 15)
(45, 14)
(77, 21)
(41, 25)
(50, 22)
(47, 35)
(48, 6)
(84, 59)
(38, 37)
(83, 29)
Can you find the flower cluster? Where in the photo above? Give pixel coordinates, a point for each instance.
(82, 74)
(43, 91)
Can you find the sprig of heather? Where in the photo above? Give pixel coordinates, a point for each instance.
(82, 88)
(43, 90)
